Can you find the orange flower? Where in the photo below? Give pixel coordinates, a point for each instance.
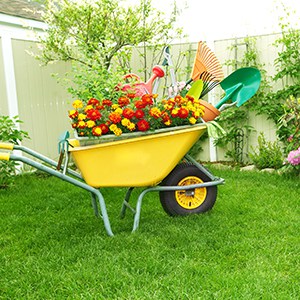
(123, 101)
(128, 113)
(115, 117)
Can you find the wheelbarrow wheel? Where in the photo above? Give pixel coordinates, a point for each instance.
(186, 202)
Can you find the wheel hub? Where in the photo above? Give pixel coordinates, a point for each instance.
(190, 199)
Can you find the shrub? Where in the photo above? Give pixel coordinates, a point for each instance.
(267, 154)
(9, 133)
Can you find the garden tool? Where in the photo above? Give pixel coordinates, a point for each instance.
(206, 67)
(141, 88)
(168, 61)
(240, 86)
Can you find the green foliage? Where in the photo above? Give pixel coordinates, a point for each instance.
(9, 133)
(98, 36)
(289, 124)
(267, 154)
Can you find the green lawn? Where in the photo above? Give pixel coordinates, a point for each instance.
(247, 247)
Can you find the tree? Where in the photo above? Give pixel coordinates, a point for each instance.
(94, 34)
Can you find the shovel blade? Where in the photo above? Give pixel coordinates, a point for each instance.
(249, 79)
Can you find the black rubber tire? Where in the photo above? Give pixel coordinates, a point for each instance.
(201, 200)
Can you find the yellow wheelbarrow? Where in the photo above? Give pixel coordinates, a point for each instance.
(157, 161)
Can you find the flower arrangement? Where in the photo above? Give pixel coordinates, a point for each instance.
(94, 118)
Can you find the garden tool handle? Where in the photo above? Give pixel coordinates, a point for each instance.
(4, 156)
(6, 146)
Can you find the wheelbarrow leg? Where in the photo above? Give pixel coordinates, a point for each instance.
(96, 193)
(94, 205)
(126, 203)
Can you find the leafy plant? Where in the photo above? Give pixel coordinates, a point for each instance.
(289, 124)
(267, 154)
(97, 38)
(9, 133)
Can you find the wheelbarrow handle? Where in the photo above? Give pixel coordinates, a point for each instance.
(6, 146)
(4, 156)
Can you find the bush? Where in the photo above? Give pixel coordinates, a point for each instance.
(9, 133)
(267, 154)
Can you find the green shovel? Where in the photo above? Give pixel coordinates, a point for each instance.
(240, 86)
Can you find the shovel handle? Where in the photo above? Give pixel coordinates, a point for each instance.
(4, 156)
(6, 146)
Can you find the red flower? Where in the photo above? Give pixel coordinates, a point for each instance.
(107, 102)
(165, 117)
(123, 101)
(183, 113)
(93, 114)
(143, 125)
(128, 113)
(139, 114)
(140, 104)
(147, 99)
(131, 95)
(93, 102)
(104, 128)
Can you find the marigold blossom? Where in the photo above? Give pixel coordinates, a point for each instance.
(77, 104)
(96, 131)
(73, 114)
(94, 114)
(143, 125)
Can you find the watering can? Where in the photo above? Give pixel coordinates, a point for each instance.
(140, 88)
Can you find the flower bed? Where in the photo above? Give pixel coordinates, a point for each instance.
(131, 114)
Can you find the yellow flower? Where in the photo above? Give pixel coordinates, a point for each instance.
(192, 120)
(90, 124)
(81, 117)
(155, 112)
(117, 131)
(81, 124)
(131, 126)
(167, 123)
(77, 104)
(125, 122)
(113, 127)
(119, 111)
(88, 107)
(115, 106)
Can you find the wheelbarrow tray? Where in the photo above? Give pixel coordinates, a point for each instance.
(138, 161)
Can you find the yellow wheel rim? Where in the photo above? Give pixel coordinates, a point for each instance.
(190, 199)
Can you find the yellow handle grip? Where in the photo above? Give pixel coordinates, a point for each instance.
(4, 156)
(6, 146)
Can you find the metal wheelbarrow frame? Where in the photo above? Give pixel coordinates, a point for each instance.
(62, 171)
